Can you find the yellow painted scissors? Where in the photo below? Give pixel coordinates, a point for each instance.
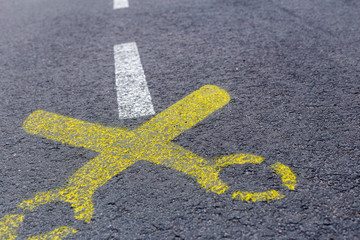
(120, 148)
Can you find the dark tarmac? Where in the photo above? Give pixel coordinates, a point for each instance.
(291, 68)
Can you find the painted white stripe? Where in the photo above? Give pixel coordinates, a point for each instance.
(132, 91)
(121, 4)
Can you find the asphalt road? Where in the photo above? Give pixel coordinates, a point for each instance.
(291, 68)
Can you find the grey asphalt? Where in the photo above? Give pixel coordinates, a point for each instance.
(291, 67)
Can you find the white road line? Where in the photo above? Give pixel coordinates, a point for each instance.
(121, 4)
(133, 95)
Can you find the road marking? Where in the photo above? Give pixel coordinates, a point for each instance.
(133, 95)
(287, 176)
(9, 225)
(257, 196)
(121, 4)
(59, 233)
(120, 148)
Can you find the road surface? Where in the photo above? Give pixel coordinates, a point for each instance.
(176, 87)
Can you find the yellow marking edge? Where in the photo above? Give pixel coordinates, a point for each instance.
(57, 234)
(287, 176)
(9, 225)
(237, 159)
(257, 196)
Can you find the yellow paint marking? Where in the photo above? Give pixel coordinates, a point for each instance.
(287, 176)
(72, 131)
(119, 148)
(243, 195)
(257, 196)
(82, 185)
(57, 234)
(238, 159)
(9, 225)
